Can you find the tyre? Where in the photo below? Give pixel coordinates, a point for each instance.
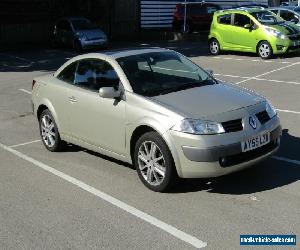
(77, 46)
(154, 162)
(49, 132)
(264, 50)
(214, 47)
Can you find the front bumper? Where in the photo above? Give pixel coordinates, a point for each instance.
(87, 44)
(215, 155)
(284, 46)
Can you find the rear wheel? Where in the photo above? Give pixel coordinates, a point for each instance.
(49, 131)
(264, 50)
(154, 162)
(214, 47)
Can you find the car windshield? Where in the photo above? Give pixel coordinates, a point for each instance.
(159, 73)
(82, 24)
(267, 17)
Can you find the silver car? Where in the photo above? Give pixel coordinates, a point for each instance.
(79, 33)
(158, 110)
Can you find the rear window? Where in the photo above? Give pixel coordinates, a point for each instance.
(224, 19)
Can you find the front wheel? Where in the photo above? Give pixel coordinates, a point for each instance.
(264, 50)
(214, 47)
(49, 131)
(154, 162)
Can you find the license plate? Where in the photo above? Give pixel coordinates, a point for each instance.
(255, 142)
(296, 43)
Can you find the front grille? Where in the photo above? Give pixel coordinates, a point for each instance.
(229, 161)
(263, 117)
(233, 125)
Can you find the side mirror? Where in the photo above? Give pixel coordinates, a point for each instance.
(248, 26)
(295, 20)
(109, 92)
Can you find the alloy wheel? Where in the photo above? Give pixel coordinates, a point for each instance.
(214, 47)
(264, 50)
(151, 163)
(48, 131)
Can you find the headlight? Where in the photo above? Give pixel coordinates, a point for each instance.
(276, 33)
(270, 110)
(81, 37)
(199, 127)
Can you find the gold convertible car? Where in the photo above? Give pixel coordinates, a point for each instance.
(156, 109)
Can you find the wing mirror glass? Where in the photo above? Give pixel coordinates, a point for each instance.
(109, 92)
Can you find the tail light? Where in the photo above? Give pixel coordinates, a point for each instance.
(33, 83)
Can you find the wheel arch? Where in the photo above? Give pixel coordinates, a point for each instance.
(47, 105)
(144, 128)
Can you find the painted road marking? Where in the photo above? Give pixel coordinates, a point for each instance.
(25, 91)
(120, 204)
(249, 60)
(269, 72)
(23, 144)
(286, 160)
(258, 79)
(288, 111)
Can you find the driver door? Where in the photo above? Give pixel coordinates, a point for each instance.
(93, 119)
(244, 38)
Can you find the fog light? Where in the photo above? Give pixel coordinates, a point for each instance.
(279, 47)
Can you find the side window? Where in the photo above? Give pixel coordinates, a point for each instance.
(105, 75)
(84, 76)
(92, 74)
(275, 11)
(287, 15)
(63, 25)
(224, 19)
(196, 9)
(241, 20)
(68, 74)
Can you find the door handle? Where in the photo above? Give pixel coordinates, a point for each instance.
(72, 99)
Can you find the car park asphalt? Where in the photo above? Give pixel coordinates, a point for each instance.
(78, 199)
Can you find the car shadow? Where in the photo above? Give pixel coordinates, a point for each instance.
(267, 175)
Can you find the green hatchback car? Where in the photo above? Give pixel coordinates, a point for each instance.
(252, 30)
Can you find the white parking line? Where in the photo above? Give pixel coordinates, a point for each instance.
(286, 160)
(23, 144)
(25, 91)
(129, 209)
(249, 60)
(269, 72)
(288, 111)
(258, 79)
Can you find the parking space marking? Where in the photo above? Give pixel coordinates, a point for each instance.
(269, 72)
(25, 91)
(286, 160)
(115, 202)
(23, 144)
(258, 79)
(288, 111)
(17, 57)
(249, 60)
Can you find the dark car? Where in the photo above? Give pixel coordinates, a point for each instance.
(198, 16)
(288, 13)
(78, 33)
